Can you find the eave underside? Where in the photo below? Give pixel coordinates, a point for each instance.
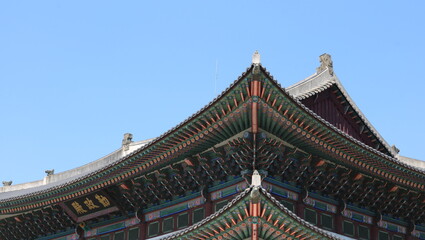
(293, 145)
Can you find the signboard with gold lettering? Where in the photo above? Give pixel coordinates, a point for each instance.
(89, 206)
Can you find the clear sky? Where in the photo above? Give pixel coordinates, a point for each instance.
(76, 75)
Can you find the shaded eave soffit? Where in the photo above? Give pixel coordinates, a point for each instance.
(159, 142)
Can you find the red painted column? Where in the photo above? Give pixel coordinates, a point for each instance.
(80, 231)
(255, 85)
(339, 219)
(255, 92)
(374, 232)
(143, 230)
(299, 209)
(409, 232)
(208, 208)
(142, 224)
(338, 223)
(255, 212)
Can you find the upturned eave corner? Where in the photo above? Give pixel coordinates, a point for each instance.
(250, 149)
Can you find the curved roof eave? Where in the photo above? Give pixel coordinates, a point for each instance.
(58, 179)
(243, 195)
(158, 140)
(411, 161)
(363, 145)
(28, 192)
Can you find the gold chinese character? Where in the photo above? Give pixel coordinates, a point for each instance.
(89, 203)
(78, 208)
(102, 200)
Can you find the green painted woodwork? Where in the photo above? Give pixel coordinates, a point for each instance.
(133, 234)
(223, 118)
(228, 191)
(173, 210)
(392, 227)
(232, 222)
(111, 228)
(420, 235)
(149, 216)
(357, 217)
(321, 205)
(63, 238)
(280, 192)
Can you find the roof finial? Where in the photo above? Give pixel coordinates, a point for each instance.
(395, 149)
(256, 179)
(126, 141)
(50, 172)
(256, 58)
(326, 62)
(7, 183)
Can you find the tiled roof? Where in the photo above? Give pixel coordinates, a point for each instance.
(319, 82)
(285, 213)
(363, 145)
(45, 188)
(63, 178)
(315, 83)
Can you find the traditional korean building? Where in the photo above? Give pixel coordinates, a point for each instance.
(258, 162)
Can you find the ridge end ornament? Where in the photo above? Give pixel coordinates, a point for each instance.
(50, 172)
(256, 179)
(256, 58)
(325, 63)
(128, 137)
(7, 183)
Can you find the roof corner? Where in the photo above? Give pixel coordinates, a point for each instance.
(325, 63)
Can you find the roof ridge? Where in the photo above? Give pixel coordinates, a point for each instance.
(77, 171)
(325, 84)
(137, 151)
(240, 196)
(296, 217)
(305, 80)
(390, 158)
(363, 117)
(212, 216)
(314, 84)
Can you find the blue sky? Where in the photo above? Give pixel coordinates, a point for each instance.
(76, 75)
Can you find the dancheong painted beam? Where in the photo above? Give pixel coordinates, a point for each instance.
(324, 173)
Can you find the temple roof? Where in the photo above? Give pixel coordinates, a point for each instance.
(411, 161)
(324, 80)
(291, 142)
(280, 113)
(63, 178)
(235, 221)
